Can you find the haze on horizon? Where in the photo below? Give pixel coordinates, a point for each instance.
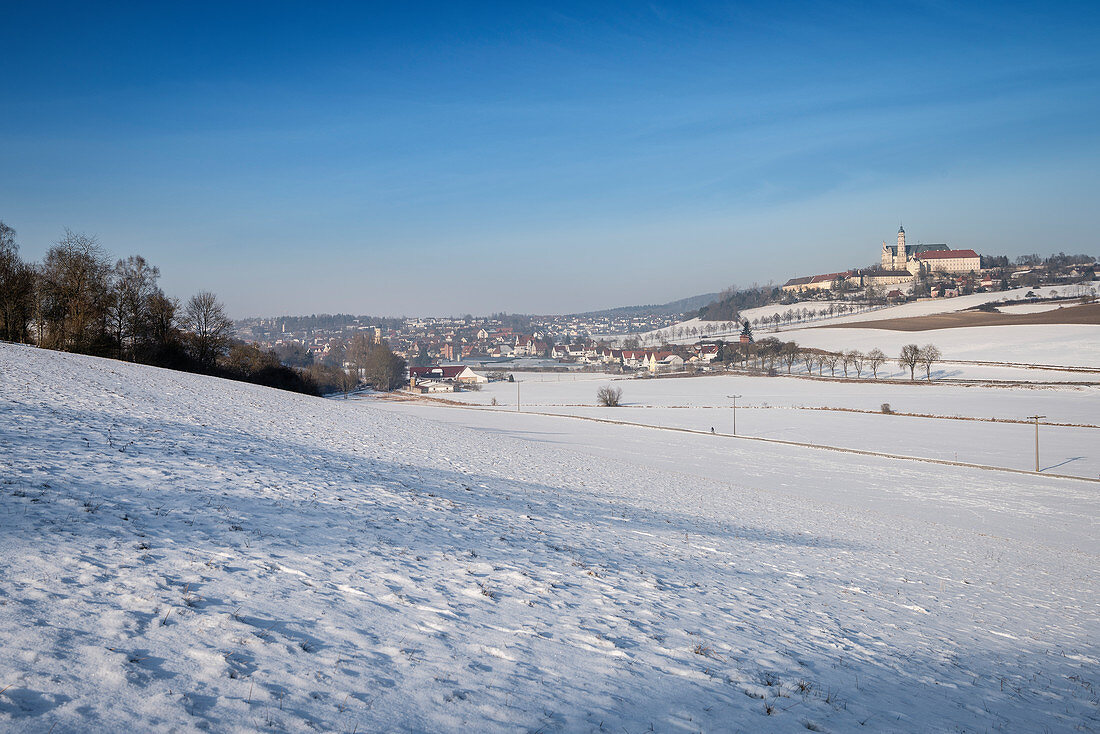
(433, 159)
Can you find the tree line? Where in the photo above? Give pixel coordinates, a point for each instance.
(76, 300)
(770, 354)
(732, 301)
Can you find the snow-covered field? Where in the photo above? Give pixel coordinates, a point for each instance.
(1044, 345)
(1061, 345)
(182, 553)
(789, 409)
(934, 306)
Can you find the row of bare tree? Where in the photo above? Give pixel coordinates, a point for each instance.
(771, 353)
(76, 300)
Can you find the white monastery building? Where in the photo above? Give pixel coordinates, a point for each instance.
(901, 263)
(949, 261)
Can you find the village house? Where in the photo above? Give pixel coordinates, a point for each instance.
(704, 353)
(448, 373)
(430, 386)
(663, 362)
(633, 358)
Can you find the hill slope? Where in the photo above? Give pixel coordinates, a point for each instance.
(683, 305)
(185, 553)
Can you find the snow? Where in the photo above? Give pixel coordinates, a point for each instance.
(1030, 307)
(927, 307)
(933, 306)
(973, 423)
(184, 553)
(1061, 345)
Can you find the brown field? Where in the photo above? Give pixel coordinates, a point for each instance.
(1088, 313)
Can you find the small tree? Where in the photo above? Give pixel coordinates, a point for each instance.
(831, 359)
(210, 328)
(929, 355)
(609, 396)
(17, 287)
(162, 321)
(875, 359)
(789, 354)
(348, 380)
(857, 359)
(846, 361)
(746, 331)
(809, 359)
(383, 369)
(73, 291)
(133, 284)
(910, 357)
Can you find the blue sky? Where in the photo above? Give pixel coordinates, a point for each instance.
(402, 158)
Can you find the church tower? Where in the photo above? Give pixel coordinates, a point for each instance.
(900, 262)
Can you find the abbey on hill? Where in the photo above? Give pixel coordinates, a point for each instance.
(900, 263)
(937, 257)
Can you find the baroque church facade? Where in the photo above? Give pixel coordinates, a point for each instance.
(904, 257)
(901, 263)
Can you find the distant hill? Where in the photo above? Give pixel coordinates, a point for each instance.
(684, 305)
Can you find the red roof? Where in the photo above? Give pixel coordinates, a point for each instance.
(944, 254)
(829, 277)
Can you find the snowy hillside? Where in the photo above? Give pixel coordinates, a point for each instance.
(930, 307)
(981, 424)
(1058, 345)
(181, 553)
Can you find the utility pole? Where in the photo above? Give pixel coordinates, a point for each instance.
(1036, 419)
(734, 412)
(517, 396)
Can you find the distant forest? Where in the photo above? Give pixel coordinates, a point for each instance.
(77, 300)
(731, 302)
(673, 308)
(332, 322)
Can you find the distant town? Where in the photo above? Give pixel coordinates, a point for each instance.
(655, 340)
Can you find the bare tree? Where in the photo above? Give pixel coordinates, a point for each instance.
(857, 360)
(358, 352)
(831, 359)
(910, 357)
(74, 293)
(875, 359)
(789, 355)
(210, 328)
(133, 284)
(809, 359)
(16, 289)
(845, 361)
(348, 380)
(929, 355)
(161, 312)
(384, 369)
(609, 396)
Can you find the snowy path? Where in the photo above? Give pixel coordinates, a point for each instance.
(182, 553)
